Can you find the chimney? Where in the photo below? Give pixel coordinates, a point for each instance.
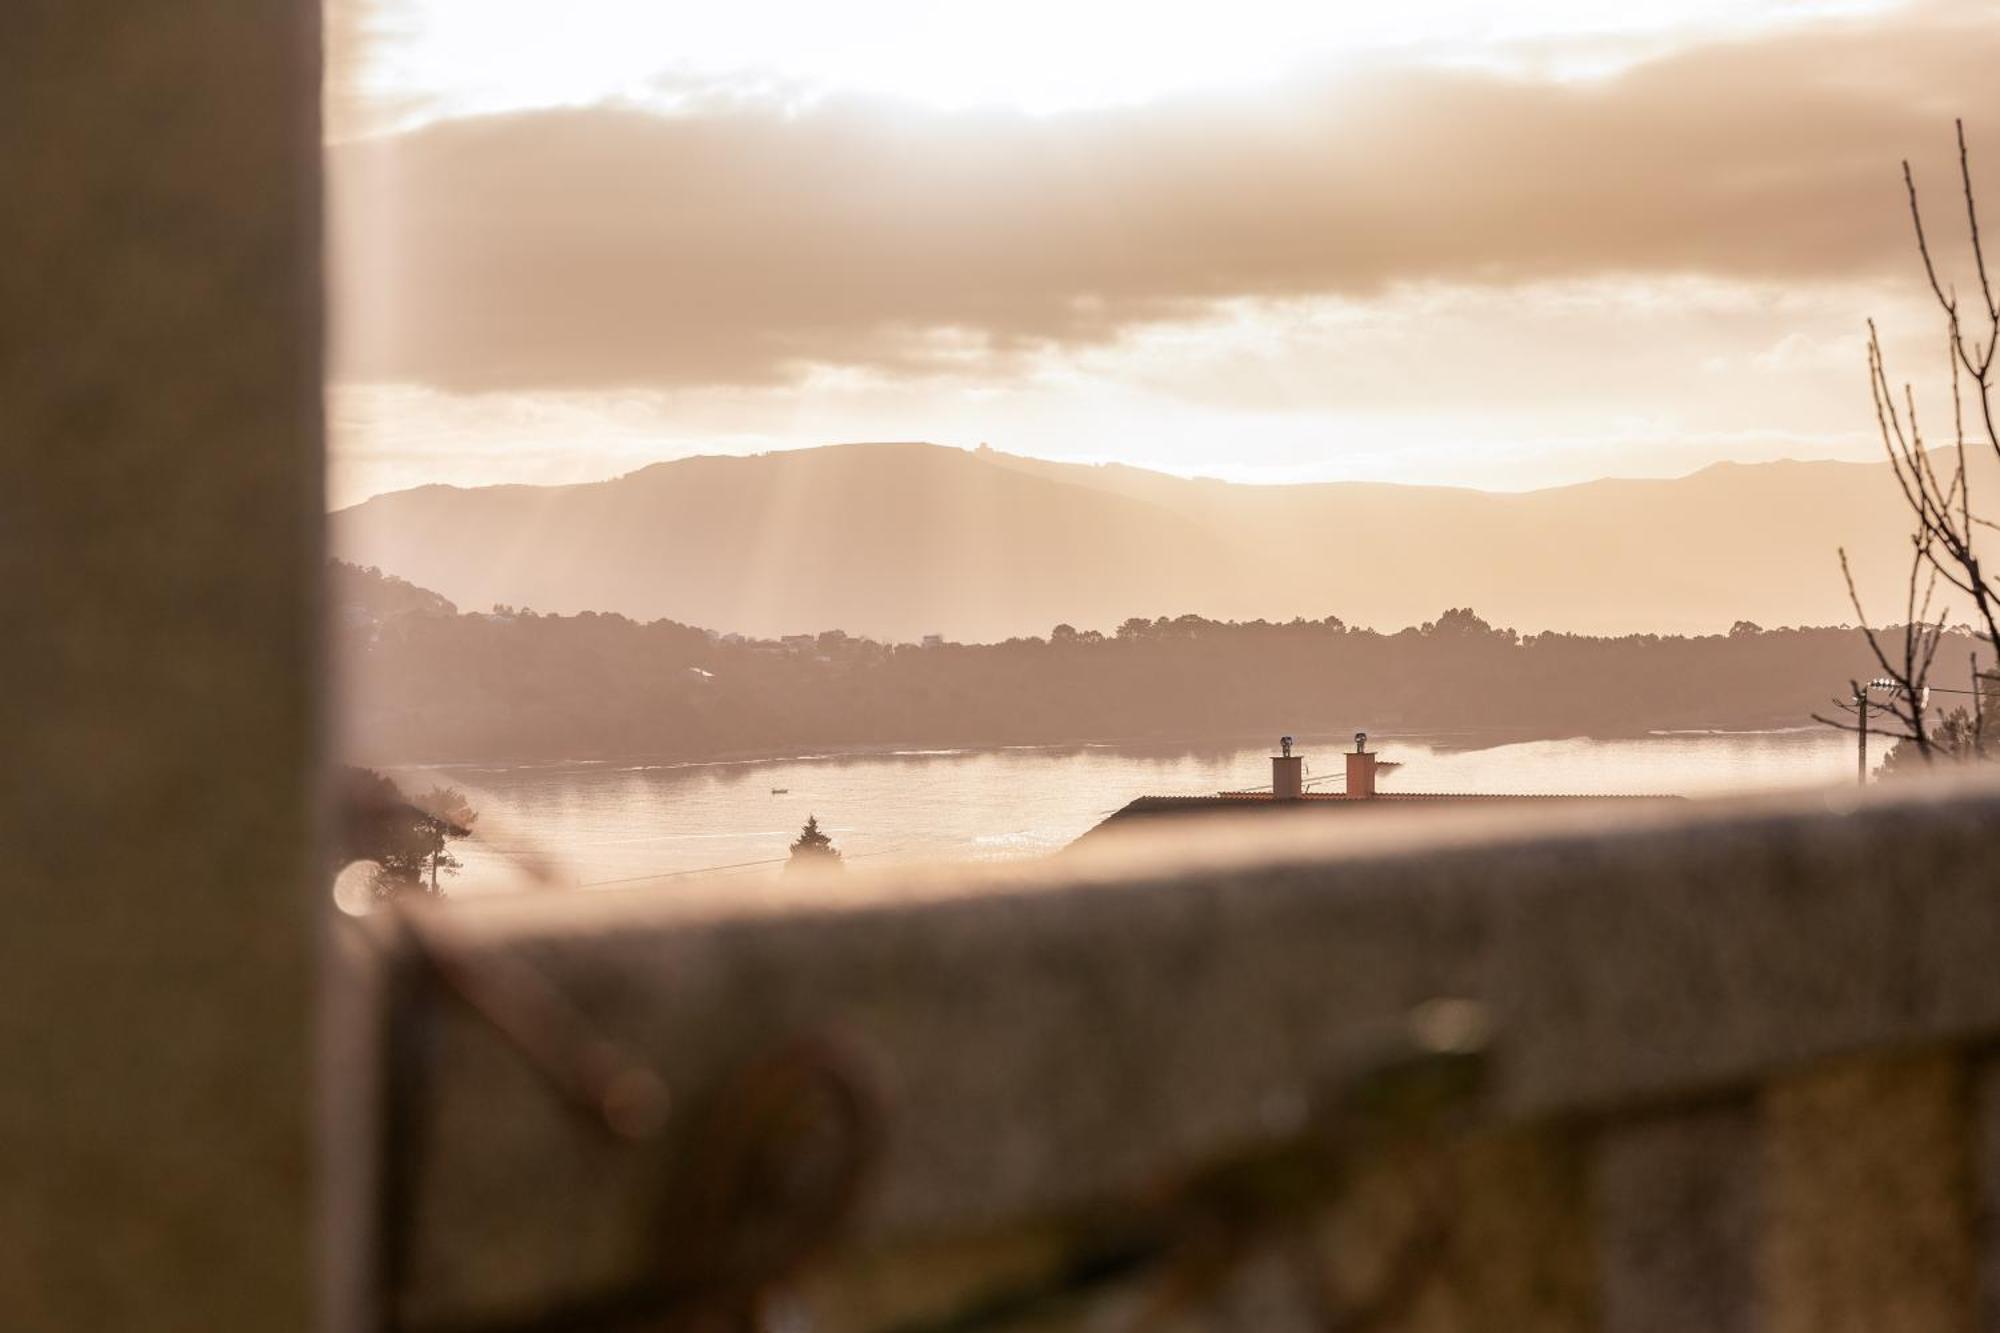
(1361, 770)
(1288, 772)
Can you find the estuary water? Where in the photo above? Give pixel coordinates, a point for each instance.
(588, 825)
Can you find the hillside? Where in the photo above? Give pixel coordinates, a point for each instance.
(896, 541)
(421, 686)
(366, 595)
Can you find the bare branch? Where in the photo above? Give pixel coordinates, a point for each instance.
(1972, 226)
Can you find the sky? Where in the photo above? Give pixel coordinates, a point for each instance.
(1504, 246)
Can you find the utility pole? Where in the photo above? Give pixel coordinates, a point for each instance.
(1978, 711)
(1861, 714)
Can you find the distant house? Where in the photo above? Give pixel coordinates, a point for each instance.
(933, 640)
(1288, 792)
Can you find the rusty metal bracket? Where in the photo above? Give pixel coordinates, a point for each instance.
(752, 1184)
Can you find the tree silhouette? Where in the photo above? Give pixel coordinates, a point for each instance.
(443, 816)
(1946, 529)
(603, 686)
(813, 848)
(1958, 736)
(408, 840)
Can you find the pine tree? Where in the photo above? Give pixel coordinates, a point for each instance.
(407, 838)
(814, 848)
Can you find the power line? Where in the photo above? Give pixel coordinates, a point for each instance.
(671, 874)
(709, 870)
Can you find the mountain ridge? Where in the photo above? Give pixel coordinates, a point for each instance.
(901, 539)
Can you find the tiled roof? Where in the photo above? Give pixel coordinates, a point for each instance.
(1342, 798)
(1149, 806)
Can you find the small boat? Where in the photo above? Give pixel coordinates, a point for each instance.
(780, 791)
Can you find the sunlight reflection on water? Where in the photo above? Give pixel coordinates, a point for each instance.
(600, 823)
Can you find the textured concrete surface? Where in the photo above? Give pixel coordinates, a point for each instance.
(1678, 1215)
(1871, 1196)
(1493, 1232)
(1046, 1037)
(1983, 1082)
(1517, 1248)
(159, 537)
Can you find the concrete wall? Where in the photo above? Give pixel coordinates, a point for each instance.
(160, 477)
(1736, 1078)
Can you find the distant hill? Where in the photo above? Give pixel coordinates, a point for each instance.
(377, 596)
(418, 686)
(896, 541)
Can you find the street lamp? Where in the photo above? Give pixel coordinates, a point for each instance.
(1890, 685)
(1887, 685)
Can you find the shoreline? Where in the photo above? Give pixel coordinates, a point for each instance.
(1450, 740)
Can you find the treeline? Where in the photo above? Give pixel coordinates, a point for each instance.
(426, 683)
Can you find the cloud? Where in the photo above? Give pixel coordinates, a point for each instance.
(357, 36)
(738, 242)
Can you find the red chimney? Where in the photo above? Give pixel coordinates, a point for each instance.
(1288, 772)
(1360, 770)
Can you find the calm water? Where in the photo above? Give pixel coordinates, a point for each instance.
(600, 824)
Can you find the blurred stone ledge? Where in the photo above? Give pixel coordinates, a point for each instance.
(1738, 1078)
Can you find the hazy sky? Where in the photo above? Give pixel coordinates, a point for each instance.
(1494, 245)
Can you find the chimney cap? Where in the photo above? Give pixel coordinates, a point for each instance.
(1361, 742)
(1285, 746)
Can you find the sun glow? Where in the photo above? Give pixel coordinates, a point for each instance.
(1408, 243)
(426, 58)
